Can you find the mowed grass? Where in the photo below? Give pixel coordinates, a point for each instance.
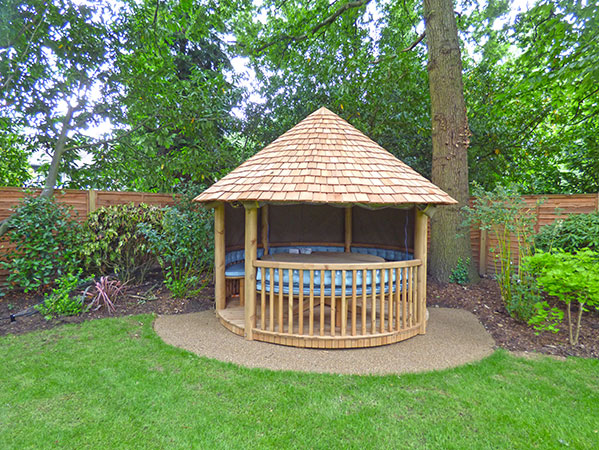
(114, 384)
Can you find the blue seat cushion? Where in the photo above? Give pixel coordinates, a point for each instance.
(235, 270)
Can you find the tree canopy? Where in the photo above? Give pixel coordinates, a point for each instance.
(159, 76)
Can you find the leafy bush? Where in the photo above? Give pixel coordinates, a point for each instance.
(184, 248)
(46, 237)
(569, 277)
(113, 244)
(507, 217)
(573, 233)
(60, 302)
(526, 294)
(460, 274)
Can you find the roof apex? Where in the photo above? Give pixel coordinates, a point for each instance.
(324, 159)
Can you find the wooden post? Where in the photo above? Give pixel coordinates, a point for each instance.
(348, 228)
(482, 260)
(92, 200)
(420, 233)
(219, 256)
(264, 211)
(251, 248)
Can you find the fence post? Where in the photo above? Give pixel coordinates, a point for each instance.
(482, 253)
(92, 200)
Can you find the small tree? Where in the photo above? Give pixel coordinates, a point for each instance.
(569, 277)
(504, 214)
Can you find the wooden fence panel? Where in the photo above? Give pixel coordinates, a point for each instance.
(83, 202)
(554, 206)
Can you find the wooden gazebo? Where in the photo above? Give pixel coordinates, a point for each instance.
(320, 240)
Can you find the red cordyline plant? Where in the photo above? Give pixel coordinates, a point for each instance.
(104, 293)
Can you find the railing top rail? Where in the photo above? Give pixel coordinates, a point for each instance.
(330, 266)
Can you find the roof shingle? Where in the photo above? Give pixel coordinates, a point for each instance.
(324, 159)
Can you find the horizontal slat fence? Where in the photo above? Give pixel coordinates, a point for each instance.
(83, 202)
(553, 207)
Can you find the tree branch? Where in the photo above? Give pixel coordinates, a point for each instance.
(329, 20)
(409, 48)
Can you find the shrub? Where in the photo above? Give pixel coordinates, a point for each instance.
(460, 274)
(60, 302)
(526, 294)
(573, 233)
(46, 237)
(183, 246)
(113, 244)
(569, 277)
(507, 217)
(104, 292)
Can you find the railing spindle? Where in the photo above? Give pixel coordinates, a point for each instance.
(382, 326)
(410, 306)
(373, 306)
(290, 298)
(300, 319)
(281, 330)
(263, 300)
(415, 297)
(333, 276)
(397, 298)
(364, 310)
(271, 312)
(354, 299)
(322, 275)
(343, 305)
(404, 294)
(311, 312)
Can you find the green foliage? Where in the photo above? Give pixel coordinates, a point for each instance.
(184, 248)
(46, 238)
(546, 318)
(112, 243)
(14, 165)
(505, 215)
(573, 233)
(525, 296)
(460, 274)
(59, 302)
(569, 277)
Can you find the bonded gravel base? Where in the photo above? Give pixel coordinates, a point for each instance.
(454, 337)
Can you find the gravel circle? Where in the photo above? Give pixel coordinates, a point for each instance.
(454, 337)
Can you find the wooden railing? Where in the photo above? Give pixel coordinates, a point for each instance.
(360, 301)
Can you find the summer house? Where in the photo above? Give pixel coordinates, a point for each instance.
(321, 240)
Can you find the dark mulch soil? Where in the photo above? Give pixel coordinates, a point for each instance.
(149, 297)
(484, 300)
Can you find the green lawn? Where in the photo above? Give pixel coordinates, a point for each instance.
(114, 384)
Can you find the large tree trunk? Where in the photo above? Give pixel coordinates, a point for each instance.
(450, 134)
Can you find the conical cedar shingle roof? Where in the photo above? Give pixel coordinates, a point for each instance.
(324, 159)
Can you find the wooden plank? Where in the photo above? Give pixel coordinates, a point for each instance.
(280, 300)
(271, 311)
(354, 300)
(322, 275)
(333, 276)
(343, 304)
(263, 301)
(290, 301)
(373, 303)
(311, 313)
(482, 262)
(382, 298)
(219, 257)
(364, 302)
(251, 249)
(300, 323)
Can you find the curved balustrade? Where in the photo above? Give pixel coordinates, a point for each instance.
(361, 305)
